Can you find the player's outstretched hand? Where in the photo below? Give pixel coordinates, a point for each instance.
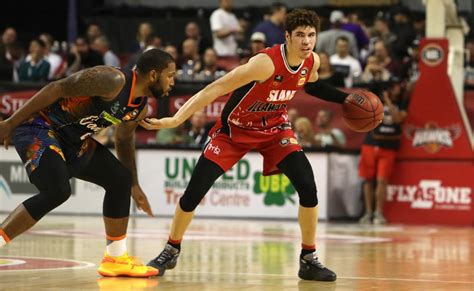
(5, 131)
(154, 124)
(141, 200)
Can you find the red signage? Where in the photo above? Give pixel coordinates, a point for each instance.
(431, 192)
(434, 128)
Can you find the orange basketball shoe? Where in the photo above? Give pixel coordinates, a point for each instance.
(125, 266)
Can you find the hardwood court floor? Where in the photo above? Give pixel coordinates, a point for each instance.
(243, 255)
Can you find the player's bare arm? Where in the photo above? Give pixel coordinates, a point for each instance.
(125, 146)
(320, 89)
(259, 68)
(98, 81)
(397, 115)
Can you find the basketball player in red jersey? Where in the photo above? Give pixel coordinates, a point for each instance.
(52, 134)
(255, 117)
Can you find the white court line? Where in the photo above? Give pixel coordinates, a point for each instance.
(84, 264)
(338, 277)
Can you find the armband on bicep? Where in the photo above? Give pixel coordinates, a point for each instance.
(326, 92)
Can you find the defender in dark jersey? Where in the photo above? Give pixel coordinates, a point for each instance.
(378, 153)
(255, 117)
(52, 134)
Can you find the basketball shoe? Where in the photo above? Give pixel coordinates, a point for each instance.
(167, 259)
(312, 269)
(379, 218)
(125, 266)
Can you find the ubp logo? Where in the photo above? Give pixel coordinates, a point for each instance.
(431, 194)
(432, 137)
(277, 189)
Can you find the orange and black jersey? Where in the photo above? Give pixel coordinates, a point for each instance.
(74, 119)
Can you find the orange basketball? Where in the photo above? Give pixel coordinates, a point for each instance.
(362, 111)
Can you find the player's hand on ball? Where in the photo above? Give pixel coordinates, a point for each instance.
(154, 123)
(141, 200)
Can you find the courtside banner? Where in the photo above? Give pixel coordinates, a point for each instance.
(242, 192)
(431, 193)
(434, 127)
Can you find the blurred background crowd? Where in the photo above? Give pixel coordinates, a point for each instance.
(358, 48)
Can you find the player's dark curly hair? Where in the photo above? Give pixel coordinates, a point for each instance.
(301, 17)
(153, 59)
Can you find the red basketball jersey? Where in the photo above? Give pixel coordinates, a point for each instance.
(259, 108)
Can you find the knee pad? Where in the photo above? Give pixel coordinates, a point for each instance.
(188, 202)
(117, 187)
(48, 199)
(308, 194)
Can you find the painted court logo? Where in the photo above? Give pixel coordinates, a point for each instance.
(433, 138)
(431, 194)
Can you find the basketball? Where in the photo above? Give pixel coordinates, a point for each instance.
(362, 111)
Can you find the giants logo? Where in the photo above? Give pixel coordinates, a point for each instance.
(430, 194)
(432, 137)
(281, 95)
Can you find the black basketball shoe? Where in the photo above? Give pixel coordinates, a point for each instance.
(312, 269)
(166, 260)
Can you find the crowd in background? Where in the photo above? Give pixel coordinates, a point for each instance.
(352, 53)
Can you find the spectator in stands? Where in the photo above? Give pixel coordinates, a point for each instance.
(210, 70)
(81, 56)
(144, 30)
(469, 64)
(198, 131)
(385, 59)
(378, 153)
(171, 49)
(381, 31)
(10, 54)
(354, 25)
(327, 39)
(190, 60)
(374, 71)
(152, 41)
(344, 63)
(193, 31)
(404, 31)
(272, 27)
(257, 42)
(102, 45)
(328, 136)
(224, 27)
(304, 132)
(56, 61)
(36, 69)
(293, 114)
(93, 32)
(177, 136)
(327, 73)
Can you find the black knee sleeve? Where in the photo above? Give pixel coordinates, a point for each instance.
(204, 175)
(52, 180)
(117, 193)
(298, 169)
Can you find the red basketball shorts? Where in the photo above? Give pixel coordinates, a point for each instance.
(376, 162)
(226, 151)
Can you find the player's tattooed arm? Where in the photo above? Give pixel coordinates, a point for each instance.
(102, 81)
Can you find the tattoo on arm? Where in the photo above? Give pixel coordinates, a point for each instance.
(97, 81)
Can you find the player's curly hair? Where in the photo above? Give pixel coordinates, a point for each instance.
(301, 17)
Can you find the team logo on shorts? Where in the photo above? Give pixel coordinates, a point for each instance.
(284, 142)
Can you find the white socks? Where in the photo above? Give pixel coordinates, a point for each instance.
(117, 248)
